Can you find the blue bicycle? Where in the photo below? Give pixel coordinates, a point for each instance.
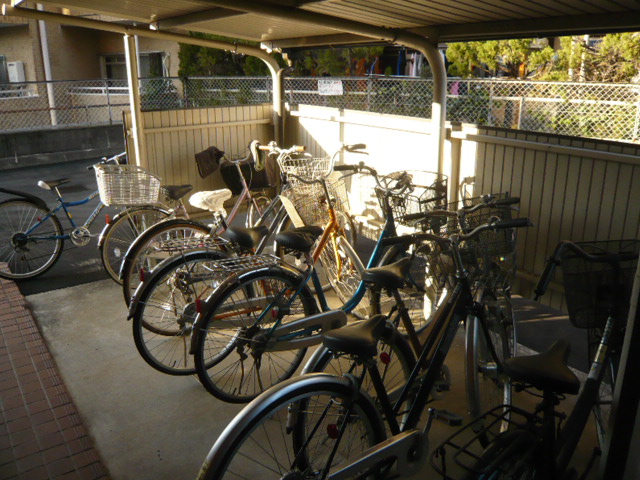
(32, 237)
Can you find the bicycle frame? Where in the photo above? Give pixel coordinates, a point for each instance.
(65, 207)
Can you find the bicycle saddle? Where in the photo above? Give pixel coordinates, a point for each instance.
(176, 192)
(300, 239)
(211, 200)
(49, 184)
(247, 237)
(546, 371)
(388, 276)
(359, 338)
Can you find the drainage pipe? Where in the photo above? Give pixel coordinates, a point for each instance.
(46, 63)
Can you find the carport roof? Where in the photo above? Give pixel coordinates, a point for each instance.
(301, 23)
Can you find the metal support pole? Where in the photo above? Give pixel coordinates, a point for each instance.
(137, 127)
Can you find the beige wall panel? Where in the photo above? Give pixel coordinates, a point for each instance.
(174, 137)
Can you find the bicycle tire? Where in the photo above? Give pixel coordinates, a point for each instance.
(22, 257)
(165, 310)
(602, 406)
(342, 268)
(395, 369)
(253, 214)
(220, 352)
(138, 256)
(118, 235)
(247, 448)
(487, 386)
(421, 294)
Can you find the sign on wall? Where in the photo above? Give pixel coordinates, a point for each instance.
(329, 86)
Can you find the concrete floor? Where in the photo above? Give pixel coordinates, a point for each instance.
(147, 425)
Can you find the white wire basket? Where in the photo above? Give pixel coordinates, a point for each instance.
(310, 202)
(306, 167)
(126, 185)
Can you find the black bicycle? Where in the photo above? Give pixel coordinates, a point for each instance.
(326, 426)
(539, 444)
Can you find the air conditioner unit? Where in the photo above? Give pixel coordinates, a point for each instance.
(16, 72)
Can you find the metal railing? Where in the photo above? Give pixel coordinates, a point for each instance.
(604, 111)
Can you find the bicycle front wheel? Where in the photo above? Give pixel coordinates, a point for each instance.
(165, 310)
(232, 356)
(422, 293)
(487, 385)
(299, 429)
(30, 242)
(121, 232)
(161, 241)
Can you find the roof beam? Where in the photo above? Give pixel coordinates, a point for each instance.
(539, 27)
(196, 17)
(320, 40)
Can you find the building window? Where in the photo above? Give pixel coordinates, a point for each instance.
(152, 64)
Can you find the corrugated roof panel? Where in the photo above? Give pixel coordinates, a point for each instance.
(246, 26)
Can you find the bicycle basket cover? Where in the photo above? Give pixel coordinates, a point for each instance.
(208, 161)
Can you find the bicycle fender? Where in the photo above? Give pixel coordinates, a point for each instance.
(106, 228)
(27, 196)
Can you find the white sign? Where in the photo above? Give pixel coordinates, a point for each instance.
(328, 86)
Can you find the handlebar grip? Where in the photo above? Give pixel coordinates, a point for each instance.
(298, 148)
(506, 201)
(357, 146)
(346, 168)
(545, 278)
(515, 223)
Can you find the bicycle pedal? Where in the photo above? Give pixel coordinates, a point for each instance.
(450, 418)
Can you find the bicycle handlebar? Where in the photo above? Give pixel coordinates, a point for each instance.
(554, 260)
(115, 159)
(457, 238)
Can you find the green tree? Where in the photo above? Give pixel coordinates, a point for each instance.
(512, 58)
(617, 59)
(203, 61)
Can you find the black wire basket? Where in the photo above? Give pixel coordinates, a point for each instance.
(428, 192)
(459, 457)
(594, 290)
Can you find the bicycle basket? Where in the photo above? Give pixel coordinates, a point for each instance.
(428, 191)
(304, 166)
(126, 185)
(256, 180)
(310, 203)
(592, 290)
(460, 456)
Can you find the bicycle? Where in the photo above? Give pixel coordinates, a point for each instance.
(32, 236)
(170, 237)
(168, 298)
(325, 426)
(537, 444)
(484, 260)
(235, 302)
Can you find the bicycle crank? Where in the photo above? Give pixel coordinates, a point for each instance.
(80, 236)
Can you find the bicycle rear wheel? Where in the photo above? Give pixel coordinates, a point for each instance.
(157, 243)
(487, 385)
(395, 361)
(28, 243)
(231, 350)
(121, 232)
(165, 310)
(292, 431)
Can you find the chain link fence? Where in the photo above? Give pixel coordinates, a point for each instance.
(35, 105)
(603, 111)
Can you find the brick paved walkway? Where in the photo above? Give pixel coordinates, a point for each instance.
(41, 434)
